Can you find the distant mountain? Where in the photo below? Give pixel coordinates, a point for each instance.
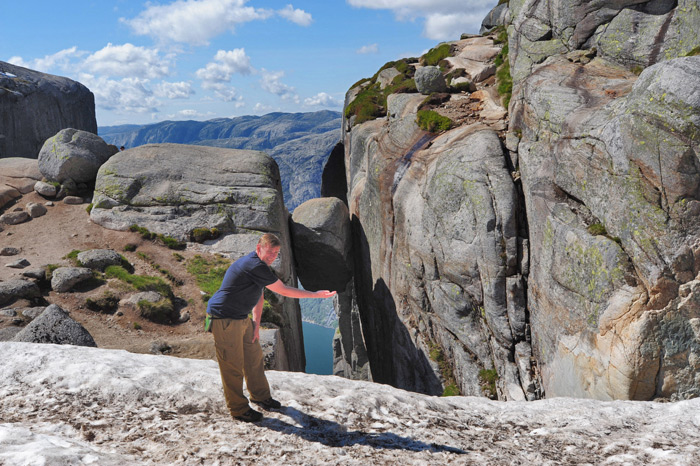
(299, 142)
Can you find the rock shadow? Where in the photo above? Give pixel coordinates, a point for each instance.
(332, 434)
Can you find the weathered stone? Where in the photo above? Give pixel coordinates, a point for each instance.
(55, 326)
(99, 259)
(65, 278)
(37, 274)
(274, 352)
(36, 105)
(429, 79)
(10, 290)
(9, 251)
(18, 264)
(321, 238)
(74, 200)
(32, 313)
(7, 195)
(498, 16)
(14, 218)
(150, 296)
(35, 210)
(8, 333)
(386, 76)
(45, 189)
(73, 154)
(184, 317)
(19, 174)
(8, 312)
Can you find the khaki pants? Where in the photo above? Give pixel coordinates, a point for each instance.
(239, 357)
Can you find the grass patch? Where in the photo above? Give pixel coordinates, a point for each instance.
(637, 69)
(208, 272)
(505, 82)
(178, 257)
(108, 303)
(437, 355)
(432, 121)
(488, 378)
(200, 235)
(161, 312)
(139, 282)
(131, 247)
(73, 257)
(171, 278)
(137, 326)
(168, 241)
(89, 207)
(49, 270)
(435, 55)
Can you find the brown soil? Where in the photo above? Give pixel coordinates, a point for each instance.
(48, 239)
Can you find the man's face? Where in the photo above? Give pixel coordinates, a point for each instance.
(267, 254)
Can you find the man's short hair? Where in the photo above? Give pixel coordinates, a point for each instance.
(269, 240)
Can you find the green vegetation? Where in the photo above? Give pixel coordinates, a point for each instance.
(49, 270)
(174, 280)
(162, 312)
(139, 282)
(178, 257)
(503, 78)
(88, 209)
(131, 247)
(435, 55)
(137, 326)
(370, 102)
(168, 241)
(432, 121)
(637, 69)
(200, 235)
(437, 355)
(73, 257)
(208, 272)
(108, 303)
(488, 378)
(693, 53)
(597, 229)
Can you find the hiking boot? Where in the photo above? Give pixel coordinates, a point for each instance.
(270, 403)
(249, 416)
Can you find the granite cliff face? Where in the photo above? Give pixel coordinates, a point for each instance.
(35, 106)
(552, 251)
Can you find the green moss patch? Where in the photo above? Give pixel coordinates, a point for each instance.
(162, 312)
(200, 235)
(166, 240)
(208, 272)
(139, 282)
(437, 355)
(108, 303)
(432, 121)
(435, 55)
(488, 378)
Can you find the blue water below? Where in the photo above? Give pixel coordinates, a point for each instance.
(318, 346)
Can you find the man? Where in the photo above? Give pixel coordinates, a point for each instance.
(236, 338)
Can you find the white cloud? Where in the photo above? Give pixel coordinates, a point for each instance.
(128, 95)
(179, 90)
(128, 60)
(195, 22)
(454, 16)
(270, 82)
(190, 114)
(217, 75)
(365, 49)
(261, 108)
(322, 100)
(59, 60)
(297, 16)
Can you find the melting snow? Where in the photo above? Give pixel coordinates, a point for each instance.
(75, 405)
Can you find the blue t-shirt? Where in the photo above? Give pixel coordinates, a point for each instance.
(241, 289)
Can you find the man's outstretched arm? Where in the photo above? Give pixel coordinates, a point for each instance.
(290, 292)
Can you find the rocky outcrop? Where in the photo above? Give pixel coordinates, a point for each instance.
(173, 189)
(64, 279)
(11, 290)
(55, 326)
(321, 237)
(74, 155)
(99, 259)
(34, 106)
(17, 176)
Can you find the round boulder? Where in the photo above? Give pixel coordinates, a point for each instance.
(99, 259)
(73, 154)
(429, 79)
(321, 237)
(55, 326)
(65, 278)
(10, 290)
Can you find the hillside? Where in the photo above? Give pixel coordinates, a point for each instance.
(108, 407)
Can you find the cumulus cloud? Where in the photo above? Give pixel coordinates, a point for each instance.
(60, 60)
(189, 114)
(128, 95)
(261, 108)
(195, 22)
(296, 16)
(270, 82)
(179, 90)
(128, 60)
(444, 19)
(217, 75)
(365, 49)
(322, 100)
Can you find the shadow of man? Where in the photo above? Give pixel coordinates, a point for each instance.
(332, 434)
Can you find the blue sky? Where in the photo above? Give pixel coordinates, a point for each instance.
(201, 59)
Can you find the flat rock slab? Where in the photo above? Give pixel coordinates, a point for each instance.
(11, 290)
(65, 278)
(99, 259)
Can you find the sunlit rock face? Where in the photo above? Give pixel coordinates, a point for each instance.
(35, 106)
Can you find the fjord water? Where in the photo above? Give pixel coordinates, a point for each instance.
(318, 346)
